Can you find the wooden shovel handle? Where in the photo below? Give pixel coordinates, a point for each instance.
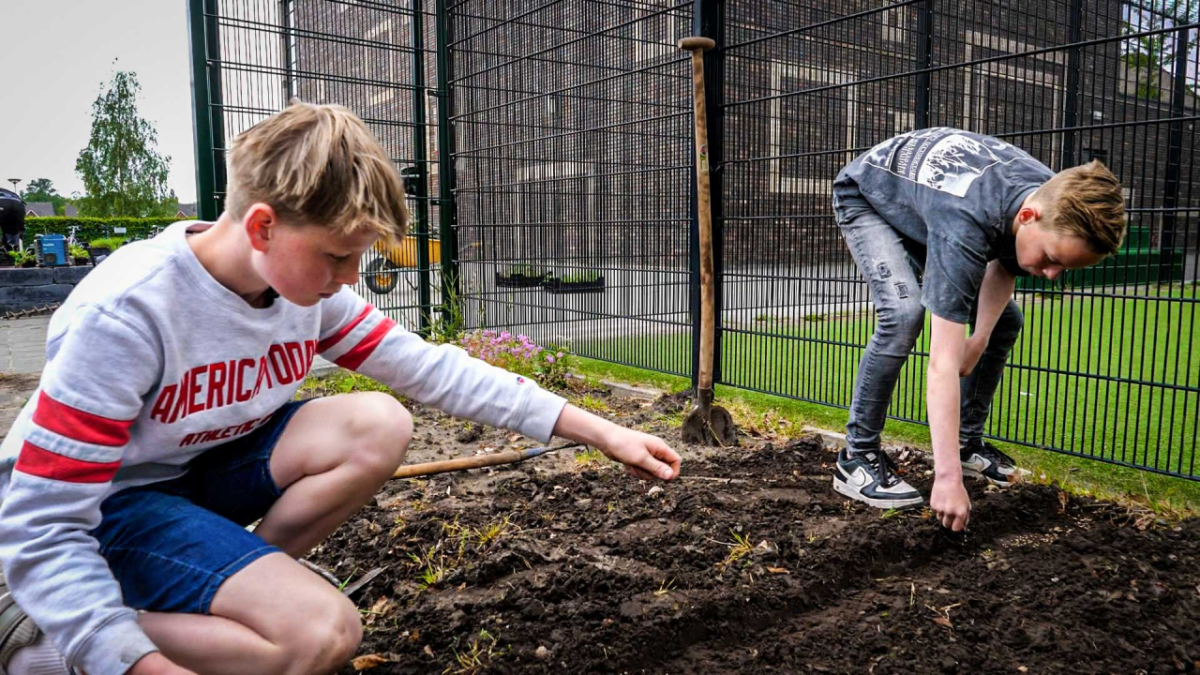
(708, 317)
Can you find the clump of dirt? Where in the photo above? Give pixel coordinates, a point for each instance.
(751, 563)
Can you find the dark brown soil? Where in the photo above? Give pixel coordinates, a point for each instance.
(751, 564)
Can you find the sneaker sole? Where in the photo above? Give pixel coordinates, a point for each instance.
(975, 473)
(844, 489)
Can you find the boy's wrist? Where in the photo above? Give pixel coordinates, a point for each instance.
(949, 473)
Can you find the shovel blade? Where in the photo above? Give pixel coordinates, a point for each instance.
(709, 426)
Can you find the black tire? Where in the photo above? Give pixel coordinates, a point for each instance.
(380, 278)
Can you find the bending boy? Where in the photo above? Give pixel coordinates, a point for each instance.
(945, 220)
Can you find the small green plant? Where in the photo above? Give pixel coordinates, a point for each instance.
(593, 404)
(589, 456)
(665, 587)
(493, 532)
(477, 658)
(23, 257)
(77, 251)
(346, 582)
(890, 513)
(811, 318)
(526, 270)
(432, 565)
(518, 354)
(447, 324)
(740, 548)
(110, 243)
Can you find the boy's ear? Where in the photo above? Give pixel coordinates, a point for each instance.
(260, 221)
(1029, 213)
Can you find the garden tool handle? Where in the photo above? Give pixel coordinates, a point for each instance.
(708, 318)
(477, 462)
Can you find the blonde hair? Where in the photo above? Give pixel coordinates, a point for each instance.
(317, 165)
(1086, 201)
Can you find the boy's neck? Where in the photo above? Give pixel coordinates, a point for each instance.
(223, 251)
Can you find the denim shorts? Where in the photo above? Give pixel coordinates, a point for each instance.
(172, 544)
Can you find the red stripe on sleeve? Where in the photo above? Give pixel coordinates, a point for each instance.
(38, 462)
(337, 337)
(354, 358)
(78, 425)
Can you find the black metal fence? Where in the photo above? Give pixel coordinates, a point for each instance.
(562, 164)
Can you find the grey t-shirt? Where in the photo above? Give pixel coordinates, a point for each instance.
(953, 192)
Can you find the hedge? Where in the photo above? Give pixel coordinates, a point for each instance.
(94, 228)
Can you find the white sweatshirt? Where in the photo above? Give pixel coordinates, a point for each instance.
(149, 363)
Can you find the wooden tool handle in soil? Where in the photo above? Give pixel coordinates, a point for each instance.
(708, 317)
(477, 462)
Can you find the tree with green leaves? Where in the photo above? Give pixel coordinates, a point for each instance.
(122, 171)
(1153, 55)
(43, 190)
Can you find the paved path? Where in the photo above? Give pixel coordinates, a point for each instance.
(23, 345)
(22, 357)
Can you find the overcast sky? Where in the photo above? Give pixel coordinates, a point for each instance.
(54, 56)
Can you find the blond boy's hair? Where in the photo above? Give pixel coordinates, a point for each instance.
(1086, 201)
(317, 165)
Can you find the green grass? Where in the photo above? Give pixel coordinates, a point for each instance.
(1106, 337)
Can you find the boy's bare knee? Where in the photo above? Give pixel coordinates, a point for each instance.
(381, 428)
(328, 641)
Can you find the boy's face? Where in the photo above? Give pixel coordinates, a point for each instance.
(306, 263)
(1047, 253)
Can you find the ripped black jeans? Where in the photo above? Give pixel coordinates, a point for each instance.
(893, 276)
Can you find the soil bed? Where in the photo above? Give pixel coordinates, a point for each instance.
(751, 563)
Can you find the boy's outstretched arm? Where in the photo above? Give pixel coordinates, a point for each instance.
(646, 456)
(359, 337)
(947, 345)
(994, 294)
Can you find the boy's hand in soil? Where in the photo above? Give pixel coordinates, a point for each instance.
(155, 663)
(950, 503)
(645, 456)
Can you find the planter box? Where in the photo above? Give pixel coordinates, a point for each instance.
(519, 280)
(559, 286)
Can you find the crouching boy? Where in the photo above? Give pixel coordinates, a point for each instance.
(164, 424)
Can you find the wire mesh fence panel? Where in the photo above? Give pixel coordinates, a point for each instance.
(1105, 366)
(572, 125)
(567, 201)
(372, 58)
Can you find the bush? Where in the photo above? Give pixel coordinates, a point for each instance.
(110, 243)
(95, 228)
(518, 354)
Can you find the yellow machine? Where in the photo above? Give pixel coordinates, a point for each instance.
(383, 273)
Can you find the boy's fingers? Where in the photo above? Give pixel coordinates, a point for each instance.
(666, 455)
(651, 465)
(638, 473)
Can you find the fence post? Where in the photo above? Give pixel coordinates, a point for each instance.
(289, 80)
(1166, 256)
(447, 207)
(203, 124)
(1071, 102)
(420, 138)
(708, 20)
(924, 62)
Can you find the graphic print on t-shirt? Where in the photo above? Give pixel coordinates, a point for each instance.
(941, 158)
